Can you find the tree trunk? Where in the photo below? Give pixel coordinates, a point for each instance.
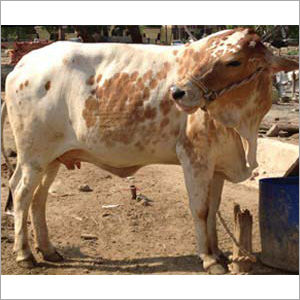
(135, 34)
(83, 32)
(61, 34)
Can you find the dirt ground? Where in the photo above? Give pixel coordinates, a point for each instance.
(133, 238)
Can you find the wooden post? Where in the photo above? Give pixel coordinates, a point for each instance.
(241, 262)
(294, 85)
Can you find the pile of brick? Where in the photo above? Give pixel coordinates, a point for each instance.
(22, 48)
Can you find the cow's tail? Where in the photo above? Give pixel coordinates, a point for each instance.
(9, 201)
(3, 117)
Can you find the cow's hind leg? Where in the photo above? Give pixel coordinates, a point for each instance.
(215, 191)
(22, 195)
(13, 182)
(198, 178)
(38, 215)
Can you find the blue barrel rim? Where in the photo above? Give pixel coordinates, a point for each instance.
(283, 180)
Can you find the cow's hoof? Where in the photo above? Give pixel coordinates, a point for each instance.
(53, 257)
(27, 263)
(216, 269)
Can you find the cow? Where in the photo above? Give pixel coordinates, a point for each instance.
(122, 107)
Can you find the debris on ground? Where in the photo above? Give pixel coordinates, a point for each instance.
(146, 200)
(111, 205)
(87, 236)
(105, 215)
(273, 131)
(76, 217)
(283, 133)
(85, 188)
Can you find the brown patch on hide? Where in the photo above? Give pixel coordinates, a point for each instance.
(166, 104)
(47, 85)
(153, 83)
(99, 78)
(147, 75)
(90, 80)
(90, 111)
(150, 112)
(164, 122)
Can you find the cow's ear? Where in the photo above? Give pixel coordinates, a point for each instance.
(279, 63)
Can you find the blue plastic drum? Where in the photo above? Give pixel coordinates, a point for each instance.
(279, 222)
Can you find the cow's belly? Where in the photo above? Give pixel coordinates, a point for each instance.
(123, 148)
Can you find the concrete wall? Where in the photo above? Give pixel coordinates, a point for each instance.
(274, 158)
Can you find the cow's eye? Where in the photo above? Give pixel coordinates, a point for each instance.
(234, 63)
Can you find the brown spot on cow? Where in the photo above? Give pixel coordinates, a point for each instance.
(99, 92)
(150, 112)
(134, 76)
(164, 122)
(47, 85)
(175, 52)
(26, 83)
(91, 111)
(140, 83)
(21, 86)
(153, 83)
(91, 80)
(99, 78)
(147, 75)
(146, 93)
(176, 131)
(165, 104)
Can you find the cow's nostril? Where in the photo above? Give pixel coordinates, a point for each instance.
(178, 94)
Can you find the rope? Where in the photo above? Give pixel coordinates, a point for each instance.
(211, 95)
(248, 255)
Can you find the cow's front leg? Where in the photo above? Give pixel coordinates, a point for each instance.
(215, 191)
(198, 174)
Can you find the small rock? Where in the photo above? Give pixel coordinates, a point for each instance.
(11, 153)
(283, 133)
(108, 177)
(85, 188)
(105, 215)
(285, 99)
(277, 119)
(273, 131)
(130, 177)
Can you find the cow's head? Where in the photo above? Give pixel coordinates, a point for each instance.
(229, 75)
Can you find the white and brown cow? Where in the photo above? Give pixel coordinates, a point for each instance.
(122, 107)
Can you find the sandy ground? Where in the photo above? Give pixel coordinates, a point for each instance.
(132, 238)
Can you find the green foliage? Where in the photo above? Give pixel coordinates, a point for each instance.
(17, 32)
(293, 52)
